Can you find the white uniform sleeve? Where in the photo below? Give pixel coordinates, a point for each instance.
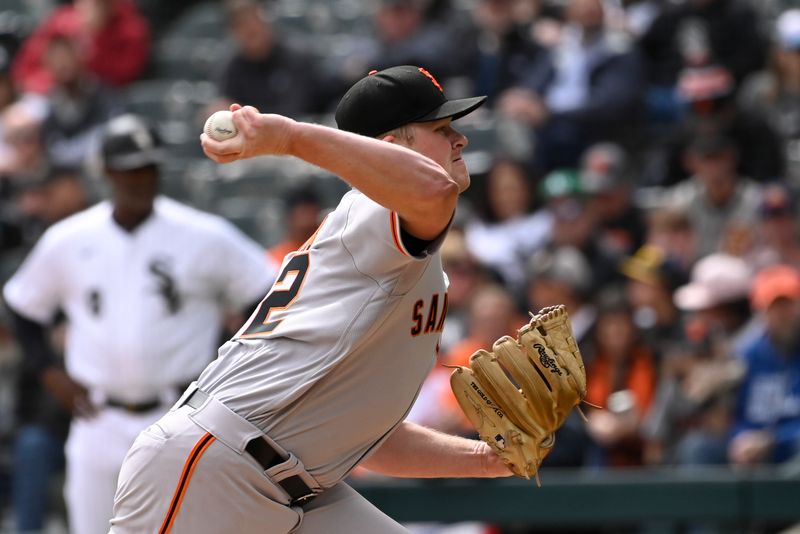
(244, 273)
(35, 291)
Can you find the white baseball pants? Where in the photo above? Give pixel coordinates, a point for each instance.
(94, 451)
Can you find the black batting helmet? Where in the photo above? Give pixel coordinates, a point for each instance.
(128, 142)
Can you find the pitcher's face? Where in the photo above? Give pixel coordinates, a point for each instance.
(443, 144)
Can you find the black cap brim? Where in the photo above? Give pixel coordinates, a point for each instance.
(134, 161)
(454, 109)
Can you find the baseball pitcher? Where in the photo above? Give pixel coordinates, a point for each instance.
(322, 375)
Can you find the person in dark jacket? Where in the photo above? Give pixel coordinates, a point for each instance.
(266, 70)
(586, 90)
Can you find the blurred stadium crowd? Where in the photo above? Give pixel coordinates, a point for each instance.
(639, 161)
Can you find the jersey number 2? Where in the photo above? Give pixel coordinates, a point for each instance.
(283, 293)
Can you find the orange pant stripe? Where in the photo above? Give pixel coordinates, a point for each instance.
(183, 482)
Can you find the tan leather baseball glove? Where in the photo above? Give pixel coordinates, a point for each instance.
(519, 394)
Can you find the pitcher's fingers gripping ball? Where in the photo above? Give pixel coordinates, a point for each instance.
(519, 394)
(219, 126)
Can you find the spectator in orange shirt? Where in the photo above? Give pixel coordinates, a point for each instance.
(492, 314)
(621, 377)
(113, 36)
(466, 277)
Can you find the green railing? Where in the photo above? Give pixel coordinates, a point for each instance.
(667, 497)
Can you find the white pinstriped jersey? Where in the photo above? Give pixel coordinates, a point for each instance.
(144, 307)
(334, 357)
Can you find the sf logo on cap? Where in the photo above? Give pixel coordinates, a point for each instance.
(430, 76)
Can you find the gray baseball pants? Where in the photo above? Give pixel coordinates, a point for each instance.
(189, 473)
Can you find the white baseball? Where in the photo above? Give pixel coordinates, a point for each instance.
(219, 126)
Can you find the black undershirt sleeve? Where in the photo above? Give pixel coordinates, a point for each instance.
(420, 248)
(414, 245)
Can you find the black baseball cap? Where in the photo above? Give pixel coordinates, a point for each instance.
(390, 98)
(128, 142)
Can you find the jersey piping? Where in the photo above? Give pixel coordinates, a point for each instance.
(398, 240)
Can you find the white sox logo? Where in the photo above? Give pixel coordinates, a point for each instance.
(161, 269)
(546, 361)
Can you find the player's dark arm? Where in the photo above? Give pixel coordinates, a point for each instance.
(398, 178)
(34, 340)
(248, 310)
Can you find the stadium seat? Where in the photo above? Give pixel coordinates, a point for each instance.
(203, 20)
(189, 57)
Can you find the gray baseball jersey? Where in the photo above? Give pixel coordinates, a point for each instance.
(334, 357)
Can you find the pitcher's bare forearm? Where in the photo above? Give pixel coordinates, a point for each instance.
(419, 452)
(402, 180)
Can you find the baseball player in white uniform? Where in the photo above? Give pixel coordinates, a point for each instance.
(144, 283)
(322, 375)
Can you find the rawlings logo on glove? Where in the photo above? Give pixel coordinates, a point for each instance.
(519, 394)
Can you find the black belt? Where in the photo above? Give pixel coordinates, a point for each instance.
(144, 406)
(135, 407)
(266, 456)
